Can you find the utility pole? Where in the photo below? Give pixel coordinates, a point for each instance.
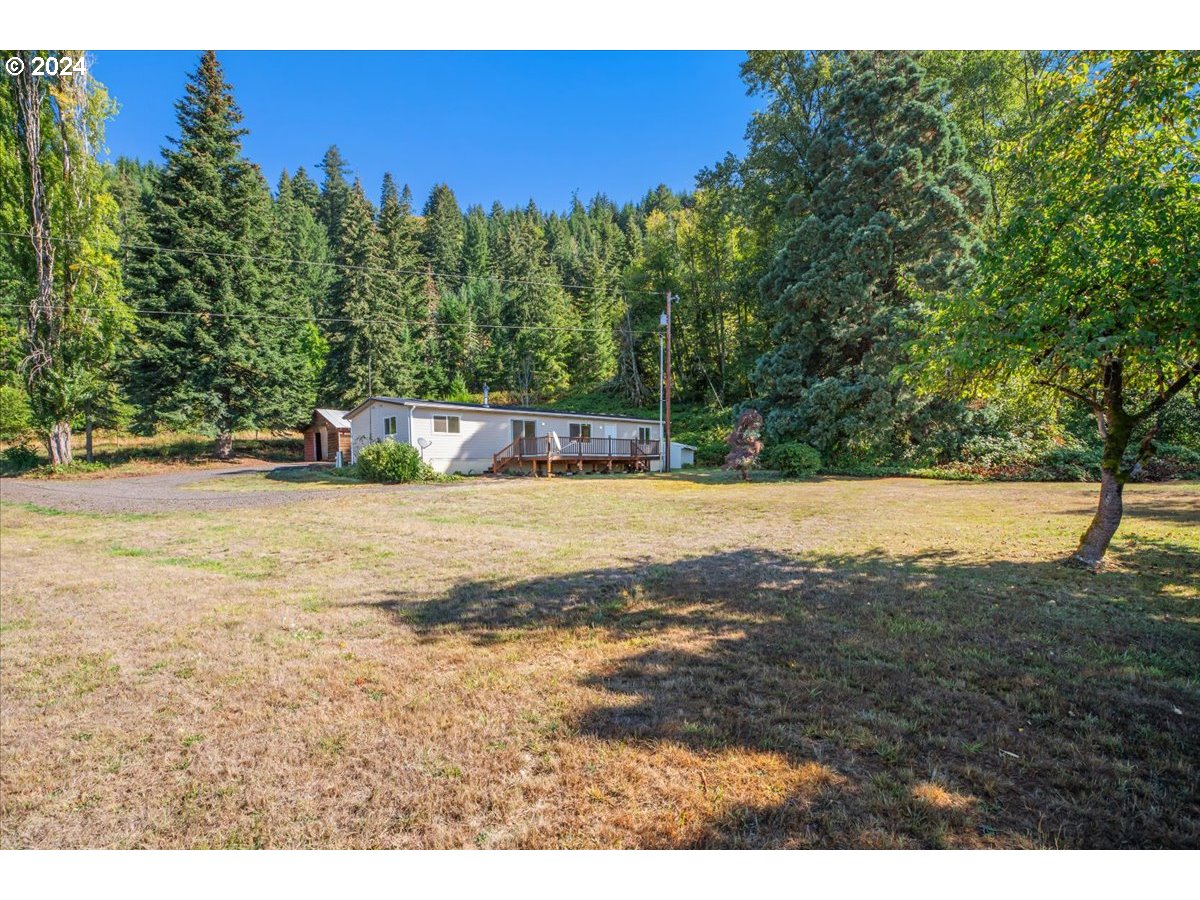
(662, 464)
(666, 434)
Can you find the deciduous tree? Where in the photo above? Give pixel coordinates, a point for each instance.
(1093, 287)
(57, 193)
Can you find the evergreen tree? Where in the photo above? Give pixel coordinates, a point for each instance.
(400, 282)
(335, 193)
(369, 349)
(455, 334)
(536, 308)
(443, 239)
(476, 255)
(890, 222)
(431, 376)
(225, 351)
(307, 192)
(309, 275)
(491, 360)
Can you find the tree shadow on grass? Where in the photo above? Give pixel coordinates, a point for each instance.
(948, 702)
(1162, 509)
(311, 474)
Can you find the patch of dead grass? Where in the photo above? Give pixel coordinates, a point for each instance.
(684, 663)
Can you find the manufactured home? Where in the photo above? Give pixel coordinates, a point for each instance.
(469, 438)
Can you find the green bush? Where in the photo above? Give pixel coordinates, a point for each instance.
(711, 453)
(792, 458)
(1069, 464)
(390, 462)
(19, 458)
(15, 415)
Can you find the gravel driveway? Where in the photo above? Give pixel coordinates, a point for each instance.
(161, 493)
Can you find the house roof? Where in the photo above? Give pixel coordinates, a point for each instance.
(335, 417)
(447, 404)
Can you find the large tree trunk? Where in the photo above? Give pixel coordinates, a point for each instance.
(224, 445)
(58, 444)
(1116, 427)
(44, 317)
(88, 440)
(1104, 524)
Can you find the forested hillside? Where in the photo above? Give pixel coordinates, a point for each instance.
(863, 273)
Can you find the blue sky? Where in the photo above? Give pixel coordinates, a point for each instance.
(507, 126)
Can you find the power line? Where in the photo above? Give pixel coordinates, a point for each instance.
(275, 317)
(347, 266)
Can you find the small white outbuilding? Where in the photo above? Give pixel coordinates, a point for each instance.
(682, 455)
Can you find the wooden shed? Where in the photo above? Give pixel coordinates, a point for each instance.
(325, 435)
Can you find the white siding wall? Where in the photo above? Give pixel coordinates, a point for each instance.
(482, 432)
(367, 426)
(682, 456)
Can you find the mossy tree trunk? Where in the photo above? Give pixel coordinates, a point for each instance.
(1117, 427)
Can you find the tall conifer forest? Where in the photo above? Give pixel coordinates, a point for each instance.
(826, 276)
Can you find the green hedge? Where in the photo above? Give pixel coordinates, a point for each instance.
(391, 463)
(791, 458)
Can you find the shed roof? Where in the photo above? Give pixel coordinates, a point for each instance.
(335, 417)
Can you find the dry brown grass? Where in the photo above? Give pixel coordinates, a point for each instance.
(612, 662)
(123, 454)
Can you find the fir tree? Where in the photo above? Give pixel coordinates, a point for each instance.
(476, 255)
(309, 275)
(400, 282)
(491, 360)
(455, 334)
(536, 308)
(307, 192)
(335, 193)
(431, 376)
(369, 350)
(890, 221)
(443, 238)
(225, 352)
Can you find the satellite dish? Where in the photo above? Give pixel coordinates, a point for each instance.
(424, 443)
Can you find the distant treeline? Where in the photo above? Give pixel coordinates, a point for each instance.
(891, 212)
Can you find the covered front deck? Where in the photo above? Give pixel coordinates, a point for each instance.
(549, 453)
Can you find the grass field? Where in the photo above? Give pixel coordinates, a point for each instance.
(636, 661)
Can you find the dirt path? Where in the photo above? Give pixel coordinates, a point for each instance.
(168, 492)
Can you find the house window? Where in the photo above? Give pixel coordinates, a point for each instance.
(644, 434)
(389, 426)
(523, 428)
(445, 425)
(581, 431)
